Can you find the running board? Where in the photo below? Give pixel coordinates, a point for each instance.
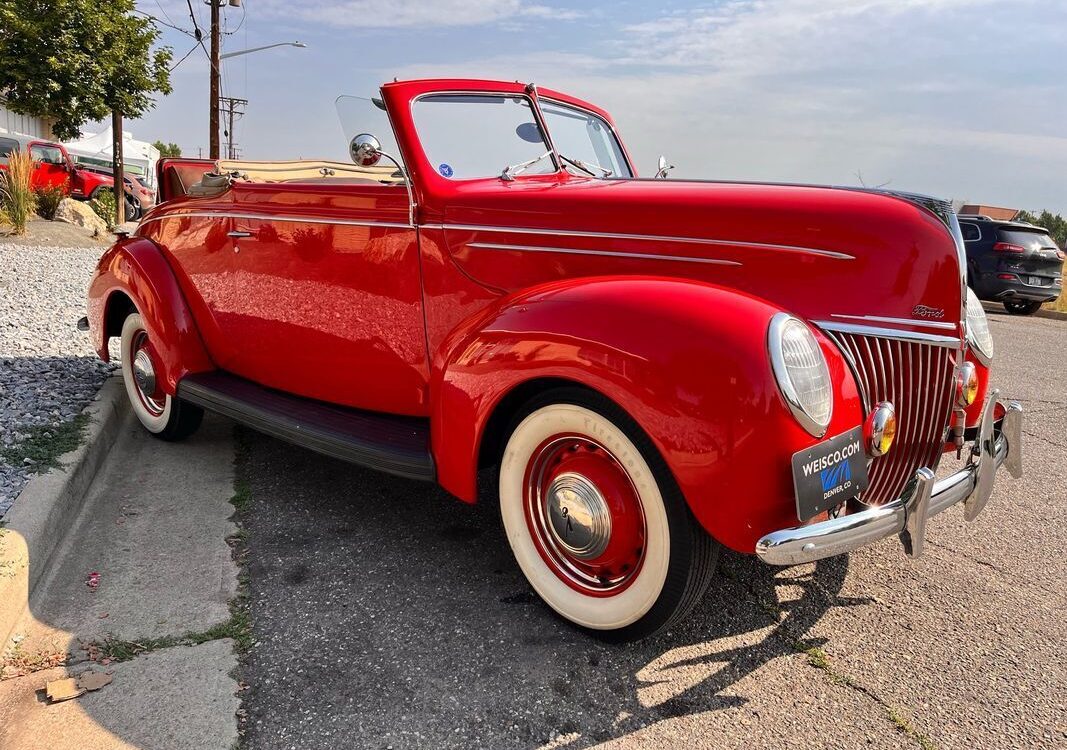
(393, 444)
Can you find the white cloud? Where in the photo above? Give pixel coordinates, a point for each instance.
(410, 13)
(940, 96)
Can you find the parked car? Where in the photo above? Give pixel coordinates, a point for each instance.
(54, 166)
(139, 198)
(656, 368)
(1016, 264)
(139, 190)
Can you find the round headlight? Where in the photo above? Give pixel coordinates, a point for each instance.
(801, 372)
(978, 335)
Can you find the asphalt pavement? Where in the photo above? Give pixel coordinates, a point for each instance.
(388, 614)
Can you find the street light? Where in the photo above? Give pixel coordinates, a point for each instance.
(257, 49)
(216, 74)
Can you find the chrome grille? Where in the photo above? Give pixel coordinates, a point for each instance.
(917, 378)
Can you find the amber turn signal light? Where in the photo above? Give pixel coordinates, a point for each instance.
(966, 384)
(880, 429)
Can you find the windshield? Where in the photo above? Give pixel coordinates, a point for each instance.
(47, 154)
(361, 114)
(477, 135)
(1031, 240)
(584, 137)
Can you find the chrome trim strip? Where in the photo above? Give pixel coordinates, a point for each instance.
(970, 485)
(610, 253)
(642, 237)
(888, 333)
(270, 217)
(899, 321)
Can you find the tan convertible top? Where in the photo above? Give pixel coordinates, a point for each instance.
(307, 171)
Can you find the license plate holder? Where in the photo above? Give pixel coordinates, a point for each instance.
(829, 473)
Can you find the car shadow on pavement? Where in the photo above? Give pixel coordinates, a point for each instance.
(386, 613)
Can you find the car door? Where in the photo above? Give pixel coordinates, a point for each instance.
(326, 298)
(51, 168)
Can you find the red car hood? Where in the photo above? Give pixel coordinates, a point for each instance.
(820, 252)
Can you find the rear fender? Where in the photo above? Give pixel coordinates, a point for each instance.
(135, 267)
(687, 361)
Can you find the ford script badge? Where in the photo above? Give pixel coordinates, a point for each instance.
(922, 311)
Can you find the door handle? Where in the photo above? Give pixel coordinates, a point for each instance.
(238, 234)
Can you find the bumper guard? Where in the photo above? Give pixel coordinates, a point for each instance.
(922, 498)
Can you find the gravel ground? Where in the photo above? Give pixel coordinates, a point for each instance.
(48, 370)
(387, 614)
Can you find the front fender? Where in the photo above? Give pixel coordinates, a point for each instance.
(687, 360)
(136, 268)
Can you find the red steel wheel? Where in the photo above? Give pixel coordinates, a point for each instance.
(596, 522)
(161, 414)
(584, 514)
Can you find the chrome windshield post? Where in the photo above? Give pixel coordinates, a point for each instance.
(531, 91)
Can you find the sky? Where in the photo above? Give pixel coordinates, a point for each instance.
(961, 99)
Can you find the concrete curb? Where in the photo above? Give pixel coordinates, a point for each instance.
(48, 507)
(991, 307)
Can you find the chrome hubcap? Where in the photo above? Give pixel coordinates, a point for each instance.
(144, 373)
(578, 515)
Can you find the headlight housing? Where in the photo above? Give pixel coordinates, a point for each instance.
(978, 335)
(800, 369)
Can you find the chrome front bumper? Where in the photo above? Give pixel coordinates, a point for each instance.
(922, 498)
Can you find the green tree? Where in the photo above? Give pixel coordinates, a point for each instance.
(168, 149)
(76, 61)
(1054, 223)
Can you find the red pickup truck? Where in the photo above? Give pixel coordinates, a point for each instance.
(54, 166)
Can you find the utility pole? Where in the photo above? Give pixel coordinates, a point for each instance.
(232, 104)
(215, 76)
(118, 167)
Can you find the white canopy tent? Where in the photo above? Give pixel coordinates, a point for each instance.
(95, 150)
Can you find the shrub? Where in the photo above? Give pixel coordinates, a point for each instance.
(105, 207)
(49, 198)
(17, 200)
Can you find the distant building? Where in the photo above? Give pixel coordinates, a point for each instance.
(10, 122)
(993, 212)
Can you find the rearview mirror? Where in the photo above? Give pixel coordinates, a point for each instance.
(663, 168)
(366, 150)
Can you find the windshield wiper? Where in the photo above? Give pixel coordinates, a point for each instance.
(587, 167)
(513, 169)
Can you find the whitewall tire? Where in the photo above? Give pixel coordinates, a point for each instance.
(160, 413)
(596, 522)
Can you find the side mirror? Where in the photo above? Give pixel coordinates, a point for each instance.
(663, 168)
(366, 150)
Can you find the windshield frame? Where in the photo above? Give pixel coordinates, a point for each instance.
(610, 127)
(533, 100)
(534, 109)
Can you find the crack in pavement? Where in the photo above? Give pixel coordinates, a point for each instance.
(1042, 438)
(818, 659)
(1015, 577)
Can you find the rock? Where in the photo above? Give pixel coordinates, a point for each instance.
(80, 214)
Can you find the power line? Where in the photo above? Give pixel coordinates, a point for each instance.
(163, 11)
(244, 13)
(161, 22)
(185, 57)
(199, 34)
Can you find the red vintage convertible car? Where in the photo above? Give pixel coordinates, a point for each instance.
(656, 367)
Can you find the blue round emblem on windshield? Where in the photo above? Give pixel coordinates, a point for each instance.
(445, 170)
